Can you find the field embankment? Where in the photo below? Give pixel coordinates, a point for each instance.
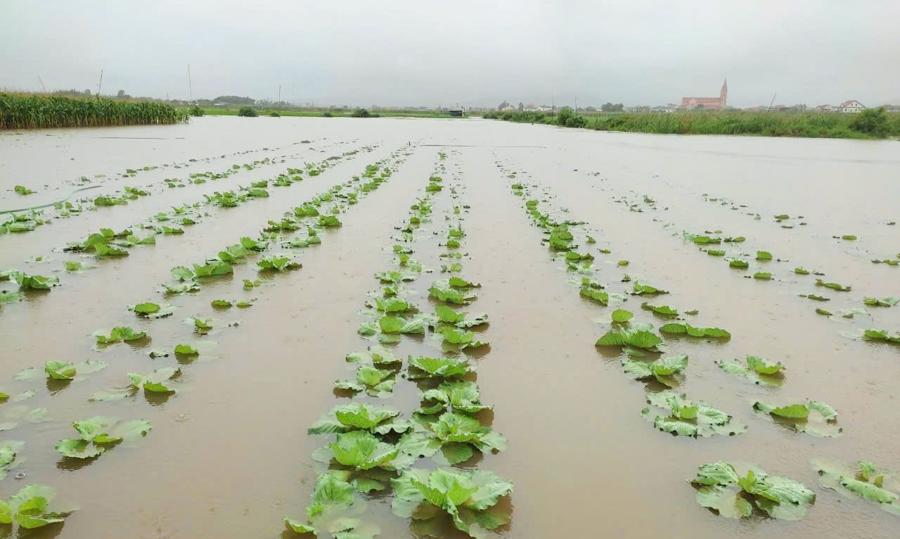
(261, 110)
(873, 123)
(34, 111)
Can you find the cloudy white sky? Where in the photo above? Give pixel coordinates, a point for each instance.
(469, 52)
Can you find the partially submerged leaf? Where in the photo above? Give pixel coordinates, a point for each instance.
(661, 310)
(60, 370)
(97, 434)
(456, 396)
(362, 451)
(357, 416)
(763, 366)
(202, 326)
(469, 497)
(736, 491)
(10, 296)
(393, 305)
(442, 291)
(438, 367)
(594, 292)
(152, 310)
(812, 417)
(145, 308)
(665, 369)
(33, 282)
(9, 449)
(371, 379)
(119, 334)
(460, 338)
(277, 263)
(459, 282)
(636, 338)
(644, 289)
(881, 302)
(211, 268)
(32, 508)
(156, 381)
(881, 335)
(375, 355)
(185, 350)
(865, 481)
(394, 324)
(677, 328)
(453, 429)
(334, 509)
(757, 369)
(329, 221)
(686, 418)
(833, 286)
(449, 316)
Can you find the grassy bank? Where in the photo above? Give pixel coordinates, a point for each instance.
(32, 111)
(874, 123)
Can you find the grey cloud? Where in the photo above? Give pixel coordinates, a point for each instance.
(471, 52)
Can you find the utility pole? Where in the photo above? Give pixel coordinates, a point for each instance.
(190, 86)
(42, 83)
(772, 102)
(279, 94)
(100, 84)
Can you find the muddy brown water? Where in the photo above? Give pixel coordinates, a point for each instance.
(229, 456)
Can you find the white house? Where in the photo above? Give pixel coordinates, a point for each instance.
(851, 106)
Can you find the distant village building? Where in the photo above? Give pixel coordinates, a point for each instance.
(531, 107)
(707, 103)
(851, 106)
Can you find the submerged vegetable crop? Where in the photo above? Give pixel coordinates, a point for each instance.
(329, 338)
(376, 449)
(649, 354)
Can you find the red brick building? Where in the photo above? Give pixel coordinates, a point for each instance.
(707, 103)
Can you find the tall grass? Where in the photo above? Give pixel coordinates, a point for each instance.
(772, 124)
(32, 111)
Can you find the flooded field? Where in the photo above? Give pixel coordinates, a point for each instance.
(211, 279)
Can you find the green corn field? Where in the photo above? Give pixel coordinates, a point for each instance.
(32, 111)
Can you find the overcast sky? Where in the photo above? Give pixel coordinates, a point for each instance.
(425, 52)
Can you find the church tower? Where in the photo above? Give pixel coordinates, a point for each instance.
(723, 95)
